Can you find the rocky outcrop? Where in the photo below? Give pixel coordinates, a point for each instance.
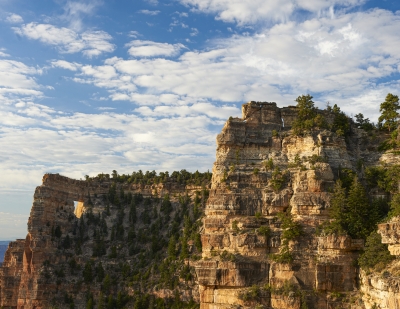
(246, 195)
(36, 272)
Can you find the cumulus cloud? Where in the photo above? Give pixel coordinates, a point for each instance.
(248, 12)
(323, 56)
(16, 78)
(14, 19)
(90, 43)
(139, 48)
(72, 66)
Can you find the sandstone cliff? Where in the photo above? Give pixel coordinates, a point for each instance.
(262, 170)
(104, 241)
(262, 244)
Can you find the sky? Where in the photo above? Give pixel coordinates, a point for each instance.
(93, 86)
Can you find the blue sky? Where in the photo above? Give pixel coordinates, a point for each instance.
(91, 86)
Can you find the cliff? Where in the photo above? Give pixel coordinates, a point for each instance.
(104, 240)
(261, 171)
(253, 237)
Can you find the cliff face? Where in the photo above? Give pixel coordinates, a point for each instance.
(248, 193)
(70, 249)
(261, 239)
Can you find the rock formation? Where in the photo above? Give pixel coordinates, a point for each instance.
(246, 195)
(262, 245)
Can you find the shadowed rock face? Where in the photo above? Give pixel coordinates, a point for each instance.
(28, 278)
(21, 279)
(243, 199)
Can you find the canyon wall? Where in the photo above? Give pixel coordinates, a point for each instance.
(244, 267)
(262, 241)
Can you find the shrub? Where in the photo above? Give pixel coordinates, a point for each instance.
(269, 165)
(235, 226)
(278, 179)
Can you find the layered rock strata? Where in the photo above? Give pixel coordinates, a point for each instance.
(246, 196)
(30, 277)
(381, 289)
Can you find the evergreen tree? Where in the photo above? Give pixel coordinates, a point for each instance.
(376, 254)
(107, 284)
(100, 304)
(358, 213)
(389, 115)
(89, 304)
(353, 214)
(306, 114)
(88, 272)
(184, 249)
(341, 124)
(172, 248)
(100, 272)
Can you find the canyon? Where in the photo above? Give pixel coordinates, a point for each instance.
(263, 244)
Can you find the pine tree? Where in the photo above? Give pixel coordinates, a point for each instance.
(172, 248)
(88, 273)
(101, 301)
(338, 206)
(184, 249)
(100, 272)
(389, 114)
(306, 114)
(357, 214)
(89, 304)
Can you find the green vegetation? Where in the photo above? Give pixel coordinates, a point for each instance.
(131, 241)
(388, 119)
(291, 230)
(269, 165)
(278, 179)
(341, 123)
(376, 255)
(352, 212)
(307, 116)
(364, 123)
(182, 177)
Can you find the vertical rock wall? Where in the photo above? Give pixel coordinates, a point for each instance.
(236, 256)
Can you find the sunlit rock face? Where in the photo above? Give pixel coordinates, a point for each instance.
(241, 231)
(236, 256)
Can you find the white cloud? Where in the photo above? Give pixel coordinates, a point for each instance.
(248, 12)
(139, 48)
(322, 56)
(133, 34)
(74, 12)
(148, 12)
(17, 78)
(72, 66)
(14, 19)
(194, 32)
(2, 53)
(90, 43)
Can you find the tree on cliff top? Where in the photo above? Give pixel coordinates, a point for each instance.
(389, 115)
(307, 117)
